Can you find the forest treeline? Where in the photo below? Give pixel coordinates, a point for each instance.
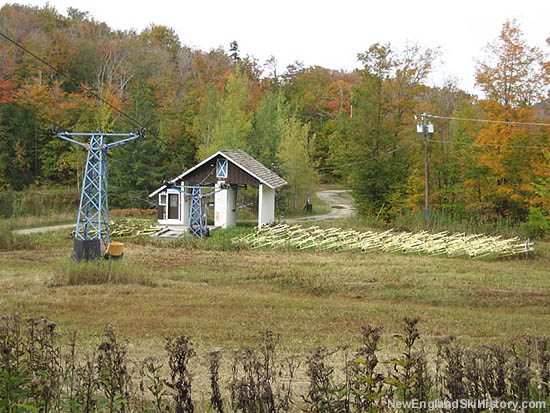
(307, 123)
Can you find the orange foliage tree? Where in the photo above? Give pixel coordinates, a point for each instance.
(514, 78)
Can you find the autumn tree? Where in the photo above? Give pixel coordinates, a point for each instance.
(512, 73)
(294, 163)
(514, 77)
(233, 124)
(269, 127)
(371, 140)
(357, 127)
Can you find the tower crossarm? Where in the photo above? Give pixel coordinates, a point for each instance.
(65, 136)
(131, 137)
(92, 225)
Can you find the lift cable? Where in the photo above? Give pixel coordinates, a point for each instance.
(70, 79)
(30, 101)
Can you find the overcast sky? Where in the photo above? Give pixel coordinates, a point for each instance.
(330, 33)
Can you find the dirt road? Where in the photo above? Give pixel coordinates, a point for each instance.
(42, 229)
(341, 207)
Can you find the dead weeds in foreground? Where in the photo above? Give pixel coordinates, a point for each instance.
(45, 371)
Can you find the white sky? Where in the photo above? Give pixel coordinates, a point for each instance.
(330, 33)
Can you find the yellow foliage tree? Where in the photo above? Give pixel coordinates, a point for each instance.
(514, 78)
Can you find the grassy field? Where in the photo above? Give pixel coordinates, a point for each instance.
(226, 297)
(223, 296)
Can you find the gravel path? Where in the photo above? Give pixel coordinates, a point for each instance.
(341, 207)
(42, 229)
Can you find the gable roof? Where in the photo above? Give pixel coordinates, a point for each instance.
(255, 168)
(242, 160)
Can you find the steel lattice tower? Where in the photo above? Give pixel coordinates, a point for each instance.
(92, 225)
(197, 226)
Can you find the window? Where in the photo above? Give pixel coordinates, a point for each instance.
(221, 168)
(162, 199)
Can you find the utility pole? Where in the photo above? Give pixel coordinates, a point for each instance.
(426, 128)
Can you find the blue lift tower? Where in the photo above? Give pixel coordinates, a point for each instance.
(91, 237)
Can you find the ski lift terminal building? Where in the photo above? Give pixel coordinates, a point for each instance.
(225, 171)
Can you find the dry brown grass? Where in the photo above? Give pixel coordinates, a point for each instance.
(226, 297)
(33, 221)
(70, 273)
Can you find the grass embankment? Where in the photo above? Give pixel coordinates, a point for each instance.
(21, 222)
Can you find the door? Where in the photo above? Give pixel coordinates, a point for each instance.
(173, 206)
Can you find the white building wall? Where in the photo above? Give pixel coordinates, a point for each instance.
(231, 207)
(174, 221)
(225, 207)
(185, 203)
(266, 206)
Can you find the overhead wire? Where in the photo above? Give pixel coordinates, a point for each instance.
(31, 102)
(353, 163)
(70, 79)
(132, 194)
(488, 144)
(489, 121)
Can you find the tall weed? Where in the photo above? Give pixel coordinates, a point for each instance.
(42, 370)
(95, 272)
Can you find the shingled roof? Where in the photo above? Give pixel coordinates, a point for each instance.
(243, 161)
(254, 168)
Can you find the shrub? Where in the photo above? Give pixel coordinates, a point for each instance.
(180, 351)
(38, 201)
(10, 241)
(6, 238)
(40, 370)
(537, 225)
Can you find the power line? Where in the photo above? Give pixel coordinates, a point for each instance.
(48, 120)
(351, 163)
(489, 121)
(490, 144)
(70, 79)
(30, 101)
(120, 162)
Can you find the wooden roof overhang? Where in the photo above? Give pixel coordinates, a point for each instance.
(242, 169)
